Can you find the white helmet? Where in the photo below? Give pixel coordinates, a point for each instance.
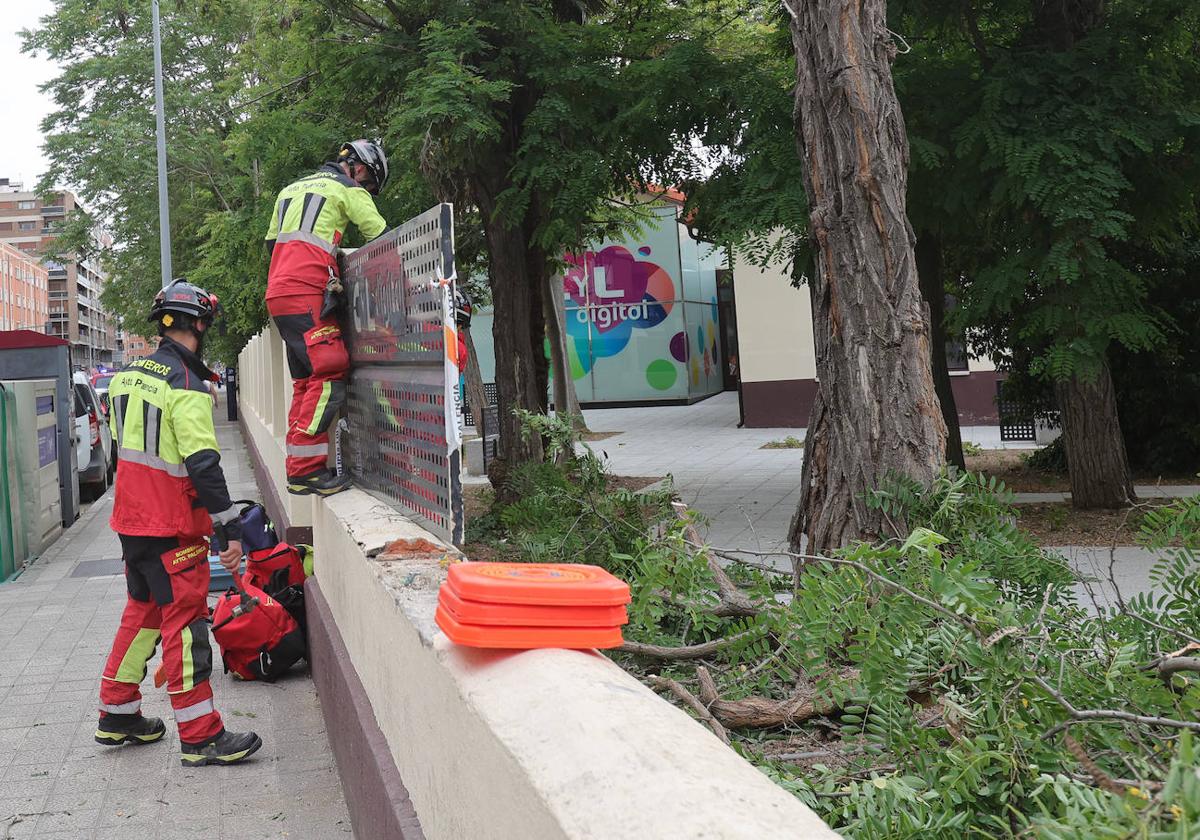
(370, 155)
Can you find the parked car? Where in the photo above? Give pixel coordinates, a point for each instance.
(93, 444)
(100, 384)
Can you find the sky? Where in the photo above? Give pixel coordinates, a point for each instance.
(22, 105)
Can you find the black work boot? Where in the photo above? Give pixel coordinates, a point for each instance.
(323, 483)
(223, 748)
(129, 729)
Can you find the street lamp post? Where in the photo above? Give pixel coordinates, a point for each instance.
(164, 213)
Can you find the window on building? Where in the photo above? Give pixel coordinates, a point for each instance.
(26, 225)
(25, 205)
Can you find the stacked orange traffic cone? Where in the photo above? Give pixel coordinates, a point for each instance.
(532, 605)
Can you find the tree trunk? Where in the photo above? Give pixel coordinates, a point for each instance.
(558, 363)
(1096, 457)
(517, 306)
(1061, 23)
(933, 289)
(566, 400)
(476, 394)
(538, 271)
(876, 410)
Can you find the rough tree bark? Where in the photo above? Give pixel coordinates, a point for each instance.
(933, 289)
(1063, 22)
(566, 400)
(554, 337)
(876, 410)
(476, 395)
(1096, 458)
(518, 318)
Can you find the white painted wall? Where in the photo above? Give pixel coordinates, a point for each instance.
(775, 334)
(264, 396)
(977, 364)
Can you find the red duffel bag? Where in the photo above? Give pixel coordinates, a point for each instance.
(274, 569)
(259, 639)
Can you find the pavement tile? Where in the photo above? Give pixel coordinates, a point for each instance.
(20, 771)
(77, 821)
(66, 799)
(28, 788)
(55, 634)
(14, 805)
(19, 826)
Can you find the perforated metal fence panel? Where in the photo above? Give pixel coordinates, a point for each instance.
(403, 444)
(1017, 418)
(492, 397)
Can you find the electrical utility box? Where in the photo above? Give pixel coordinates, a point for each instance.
(27, 356)
(33, 428)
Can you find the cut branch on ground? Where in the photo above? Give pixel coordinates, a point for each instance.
(692, 702)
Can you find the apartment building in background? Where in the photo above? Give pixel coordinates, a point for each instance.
(136, 347)
(30, 224)
(24, 291)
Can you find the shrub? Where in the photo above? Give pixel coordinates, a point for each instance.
(945, 685)
(1051, 458)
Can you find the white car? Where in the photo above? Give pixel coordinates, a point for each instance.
(93, 439)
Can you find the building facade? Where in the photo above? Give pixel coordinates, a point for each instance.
(777, 355)
(30, 224)
(135, 347)
(641, 316)
(24, 291)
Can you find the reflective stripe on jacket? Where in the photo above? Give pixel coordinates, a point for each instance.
(307, 224)
(169, 477)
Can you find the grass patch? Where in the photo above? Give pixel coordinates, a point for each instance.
(789, 442)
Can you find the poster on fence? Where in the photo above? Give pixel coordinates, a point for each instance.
(405, 437)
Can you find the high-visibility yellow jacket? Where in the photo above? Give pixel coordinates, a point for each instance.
(169, 477)
(307, 224)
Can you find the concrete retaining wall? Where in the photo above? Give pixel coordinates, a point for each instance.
(538, 744)
(264, 397)
(447, 743)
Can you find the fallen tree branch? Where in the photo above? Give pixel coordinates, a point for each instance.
(721, 609)
(696, 651)
(693, 703)
(1093, 715)
(965, 621)
(734, 601)
(760, 712)
(1173, 665)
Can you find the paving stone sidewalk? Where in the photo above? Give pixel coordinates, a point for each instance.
(748, 494)
(56, 782)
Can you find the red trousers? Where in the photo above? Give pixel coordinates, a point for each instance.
(318, 363)
(168, 598)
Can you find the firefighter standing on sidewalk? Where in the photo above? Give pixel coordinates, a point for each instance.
(170, 494)
(307, 224)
